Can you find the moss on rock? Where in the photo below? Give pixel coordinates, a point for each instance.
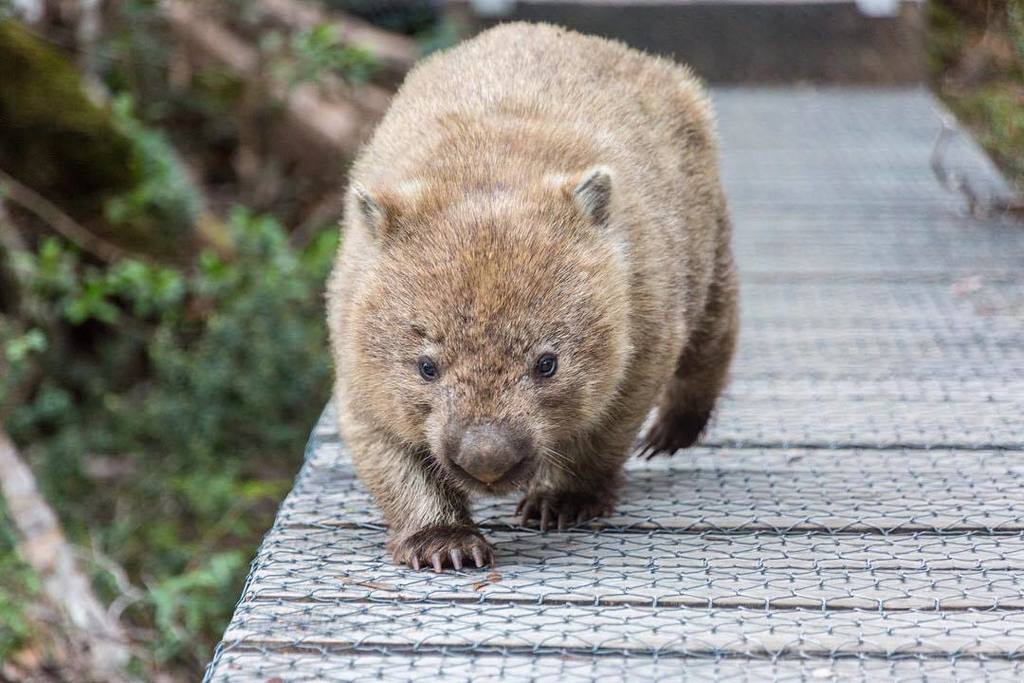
(98, 163)
(53, 137)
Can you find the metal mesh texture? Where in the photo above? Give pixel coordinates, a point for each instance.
(856, 511)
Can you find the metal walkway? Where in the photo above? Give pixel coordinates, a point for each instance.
(857, 510)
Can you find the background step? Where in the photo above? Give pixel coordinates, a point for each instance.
(765, 41)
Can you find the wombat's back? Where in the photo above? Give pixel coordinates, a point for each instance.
(630, 105)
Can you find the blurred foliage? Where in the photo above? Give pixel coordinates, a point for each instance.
(318, 52)
(411, 17)
(179, 424)
(18, 588)
(1015, 15)
(996, 114)
(54, 138)
(310, 56)
(424, 20)
(163, 204)
(198, 116)
(440, 36)
(99, 164)
(136, 56)
(977, 56)
(162, 400)
(187, 604)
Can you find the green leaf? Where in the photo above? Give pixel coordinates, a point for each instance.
(20, 348)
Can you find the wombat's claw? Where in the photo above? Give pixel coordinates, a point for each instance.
(439, 547)
(565, 510)
(672, 433)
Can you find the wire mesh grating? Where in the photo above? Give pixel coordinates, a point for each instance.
(856, 511)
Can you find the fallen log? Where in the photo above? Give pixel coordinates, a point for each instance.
(397, 53)
(41, 543)
(337, 124)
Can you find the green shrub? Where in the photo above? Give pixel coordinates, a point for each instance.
(977, 57)
(163, 204)
(54, 138)
(197, 387)
(309, 55)
(99, 164)
(1015, 13)
(18, 587)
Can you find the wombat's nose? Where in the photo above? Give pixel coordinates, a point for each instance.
(487, 453)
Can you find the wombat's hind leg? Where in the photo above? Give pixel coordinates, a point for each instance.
(673, 431)
(689, 396)
(684, 412)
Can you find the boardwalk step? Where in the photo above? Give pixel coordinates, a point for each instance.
(764, 41)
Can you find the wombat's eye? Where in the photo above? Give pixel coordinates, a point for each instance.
(428, 368)
(547, 365)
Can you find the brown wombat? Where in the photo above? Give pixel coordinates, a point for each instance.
(536, 253)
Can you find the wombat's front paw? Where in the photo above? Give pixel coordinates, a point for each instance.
(563, 509)
(442, 546)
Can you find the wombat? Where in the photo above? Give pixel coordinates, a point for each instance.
(536, 252)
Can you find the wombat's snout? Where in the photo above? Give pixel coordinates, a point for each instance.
(488, 453)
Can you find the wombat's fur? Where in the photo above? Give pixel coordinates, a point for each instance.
(536, 252)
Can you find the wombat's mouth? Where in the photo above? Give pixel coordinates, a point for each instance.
(515, 478)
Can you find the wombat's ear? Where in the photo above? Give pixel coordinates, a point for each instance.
(382, 210)
(593, 194)
(371, 211)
